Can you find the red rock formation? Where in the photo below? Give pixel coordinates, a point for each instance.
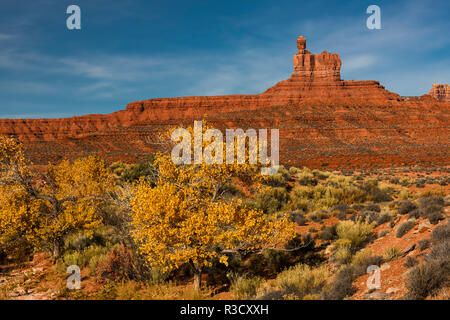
(440, 92)
(323, 120)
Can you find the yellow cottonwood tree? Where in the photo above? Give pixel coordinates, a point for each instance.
(186, 218)
(44, 208)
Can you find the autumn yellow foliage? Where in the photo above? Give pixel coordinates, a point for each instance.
(185, 218)
(43, 208)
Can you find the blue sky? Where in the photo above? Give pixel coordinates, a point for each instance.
(134, 50)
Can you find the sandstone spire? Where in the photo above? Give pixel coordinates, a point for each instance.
(315, 67)
(301, 44)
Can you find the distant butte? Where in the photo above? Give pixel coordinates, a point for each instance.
(324, 122)
(440, 92)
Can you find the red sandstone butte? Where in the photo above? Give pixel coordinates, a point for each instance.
(440, 92)
(324, 121)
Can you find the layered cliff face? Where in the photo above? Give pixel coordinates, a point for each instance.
(441, 92)
(323, 121)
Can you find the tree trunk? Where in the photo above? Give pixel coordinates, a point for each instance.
(197, 269)
(197, 280)
(56, 250)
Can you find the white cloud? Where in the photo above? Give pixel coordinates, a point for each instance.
(350, 63)
(4, 36)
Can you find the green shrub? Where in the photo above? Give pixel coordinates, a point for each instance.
(404, 228)
(87, 257)
(279, 179)
(271, 200)
(406, 206)
(342, 285)
(298, 217)
(383, 233)
(306, 178)
(383, 218)
(328, 233)
(361, 257)
(245, 287)
(391, 253)
(354, 232)
(343, 254)
(302, 280)
(132, 172)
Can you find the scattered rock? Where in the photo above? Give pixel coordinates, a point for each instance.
(385, 266)
(409, 249)
(423, 227)
(39, 269)
(376, 296)
(392, 290)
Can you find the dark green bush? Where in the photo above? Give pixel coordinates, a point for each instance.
(410, 262)
(372, 207)
(328, 233)
(424, 244)
(426, 278)
(272, 200)
(435, 217)
(298, 217)
(441, 233)
(342, 285)
(406, 207)
(404, 228)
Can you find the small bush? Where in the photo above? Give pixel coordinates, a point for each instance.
(273, 295)
(343, 254)
(383, 233)
(424, 244)
(426, 279)
(355, 232)
(271, 200)
(416, 213)
(370, 216)
(404, 228)
(365, 258)
(245, 287)
(328, 233)
(298, 217)
(441, 233)
(391, 253)
(406, 207)
(383, 218)
(341, 215)
(302, 280)
(373, 207)
(432, 201)
(435, 217)
(410, 262)
(343, 207)
(119, 264)
(440, 251)
(86, 257)
(342, 285)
